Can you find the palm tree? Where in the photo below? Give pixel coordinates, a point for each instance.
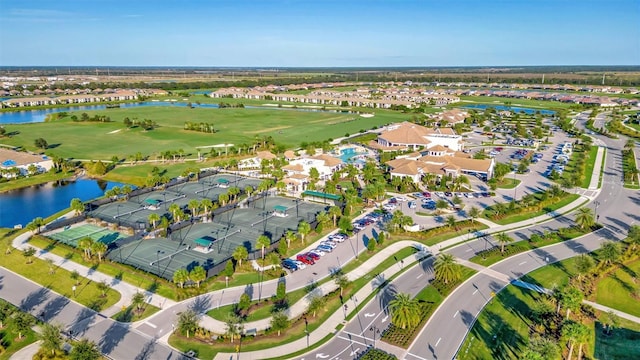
(335, 212)
(610, 252)
(137, 301)
(223, 199)
(342, 281)
(303, 229)
(634, 236)
(206, 205)
(572, 333)
(584, 218)
(103, 287)
(99, 248)
(77, 206)
(450, 221)
(316, 303)
(198, 275)
(279, 321)
(23, 322)
(323, 218)
(630, 144)
(446, 269)
(234, 325)
(194, 205)
(173, 209)
(503, 239)
(584, 264)
(85, 244)
(474, 213)
(240, 254)
(51, 338)
(289, 236)
(28, 254)
(262, 242)
(153, 218)
(571, 298)
(405, 311)
(52, 268)
(180, 277)
(85, 350)
(188, 322)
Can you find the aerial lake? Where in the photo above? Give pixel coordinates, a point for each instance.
(23, 205)
(35, 116)
(515, 109)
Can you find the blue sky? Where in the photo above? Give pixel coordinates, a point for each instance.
(308, 33)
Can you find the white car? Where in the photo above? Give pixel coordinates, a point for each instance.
(389, 207)
(330, 244)
(300, 264)
(338, 237)
(401, 198)
(318, 252)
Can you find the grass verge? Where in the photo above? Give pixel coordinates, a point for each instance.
(508, 183)
(590, 164)
(34, 180)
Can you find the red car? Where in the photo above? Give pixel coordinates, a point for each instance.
(313, 255)
(305, 259)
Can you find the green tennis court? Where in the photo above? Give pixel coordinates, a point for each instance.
(72, 235)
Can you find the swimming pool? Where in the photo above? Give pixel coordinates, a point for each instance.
(347, 155)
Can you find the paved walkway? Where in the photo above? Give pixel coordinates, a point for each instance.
(300, 307)
(621, 314)
(126, 290)
(27, 352)
(595, 176)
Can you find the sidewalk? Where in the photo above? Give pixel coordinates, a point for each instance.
(126, 290)
(621, 314)
(329, 326)
(595, 177)
(300, 307)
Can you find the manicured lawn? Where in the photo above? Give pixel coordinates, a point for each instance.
(493, 100)
(494, 255)
(129, 315)
(618, 289)
(10, 341)
(437, 235)
(556, 274)
(233, 125)
(34, 180)
(564, 201)
(508, 183)
(628, 165)
(589, 165)
(60, 281)
(623, 343)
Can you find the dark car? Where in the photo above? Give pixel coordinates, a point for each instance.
(313, 256)
(289, 264)
(305, 259)
(448, 194)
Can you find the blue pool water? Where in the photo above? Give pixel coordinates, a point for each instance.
(346, 155)
(510, 108)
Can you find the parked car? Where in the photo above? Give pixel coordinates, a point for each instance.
(317, 252)
(389, 207)
(324, 248)
(330, 244)
(339, 237)
(307, 259)
(412, 204)
(290, 264)
(300, 264)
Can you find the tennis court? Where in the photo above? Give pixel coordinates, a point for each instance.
(72, 235)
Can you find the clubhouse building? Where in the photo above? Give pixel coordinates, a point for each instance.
(14, 163)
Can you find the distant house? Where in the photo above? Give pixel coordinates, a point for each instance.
(440, 166)
(10, 159)
(256, 161)
(451, 117)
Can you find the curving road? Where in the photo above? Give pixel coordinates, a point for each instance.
(617, 209)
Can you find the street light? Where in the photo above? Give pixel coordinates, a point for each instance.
(344, 308)
(226, 281)
(73, 288)
(596, 203)
(374, 329)
(306, 329)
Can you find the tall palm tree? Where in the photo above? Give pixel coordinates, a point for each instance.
(584, 264)
(77, 206)
(446, 269)
(335, 212)
(173, 209)
(450, 221)
(240, 254)
(303, 229)
(405, 311)
(503, 239)
(263, 242)
(154, 218)
(99, 248)
(180, 277)
(198, 275)
(194, 205)
(85, 244)
(289, 236)
(610, 252)
(474, 213)
(206, 205)
(584, 218)
(323, 218)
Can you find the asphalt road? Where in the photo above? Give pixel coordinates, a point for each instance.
(616, 209)
(114, 339)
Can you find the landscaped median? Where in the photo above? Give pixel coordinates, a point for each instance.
(331, 313)
(93, 295)
(530, 206)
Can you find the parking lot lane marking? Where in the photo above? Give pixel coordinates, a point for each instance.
(151, 324)
(475, 292)
(468, 250)
(522, 263)
(419, 276)
(456, 314)
(438, 342)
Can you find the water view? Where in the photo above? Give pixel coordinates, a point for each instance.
(510, 108)
(34, 116)
(23, 205)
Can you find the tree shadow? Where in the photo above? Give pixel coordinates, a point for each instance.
(386, 295)
(248, 289)
(147, 350)
(33, 299)
(112, 337)
(201, 304)
(82, 322)
(54, 307)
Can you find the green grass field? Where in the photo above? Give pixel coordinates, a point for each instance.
(508, 183)
(618, 289)
(493, 100)
(589, 165)
(92, 140)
